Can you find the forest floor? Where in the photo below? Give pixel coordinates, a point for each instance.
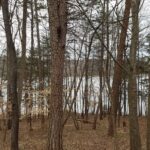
(83, 139)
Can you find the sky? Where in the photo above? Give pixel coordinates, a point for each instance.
(145, 16)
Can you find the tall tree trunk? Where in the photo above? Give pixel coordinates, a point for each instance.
(135, 141)
(86, 90)
(40, 64)
(117, 78)
(31, 57)
(32, 43)
(58, 30)
(100, 54)
(21, 75)
(11, 76)
(124, 97)
(148, 118)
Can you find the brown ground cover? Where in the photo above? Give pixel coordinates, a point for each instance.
(83, 139)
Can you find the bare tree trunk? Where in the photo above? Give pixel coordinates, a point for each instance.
(21, 75)
(86, 90)
(124, 93)
(32, 43)
(148, 118)
(31, 56)
(11, 76)
(58, 30)
(40, 64)
(135, 141)
(100, 72)
(117, 79)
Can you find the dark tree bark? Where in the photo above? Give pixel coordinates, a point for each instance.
(135, 141)
(86, 90)
(31, 56)
(58, 30)
(11, 76)
(32, 43)
(148, 118)
(117, 78)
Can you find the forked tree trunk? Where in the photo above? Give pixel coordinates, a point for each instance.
(58, 30)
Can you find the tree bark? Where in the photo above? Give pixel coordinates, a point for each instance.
(40, 64)
(11, 76)
(58, 30)
(117, 78)
(148, 118)
(21, 75)
(135, 141)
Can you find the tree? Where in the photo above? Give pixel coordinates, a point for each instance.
(40, 69)
(117, 78)
(11, 76)
(148, 114)
(135, 141)
(148, 118)
(21, 75)
(58, 30)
